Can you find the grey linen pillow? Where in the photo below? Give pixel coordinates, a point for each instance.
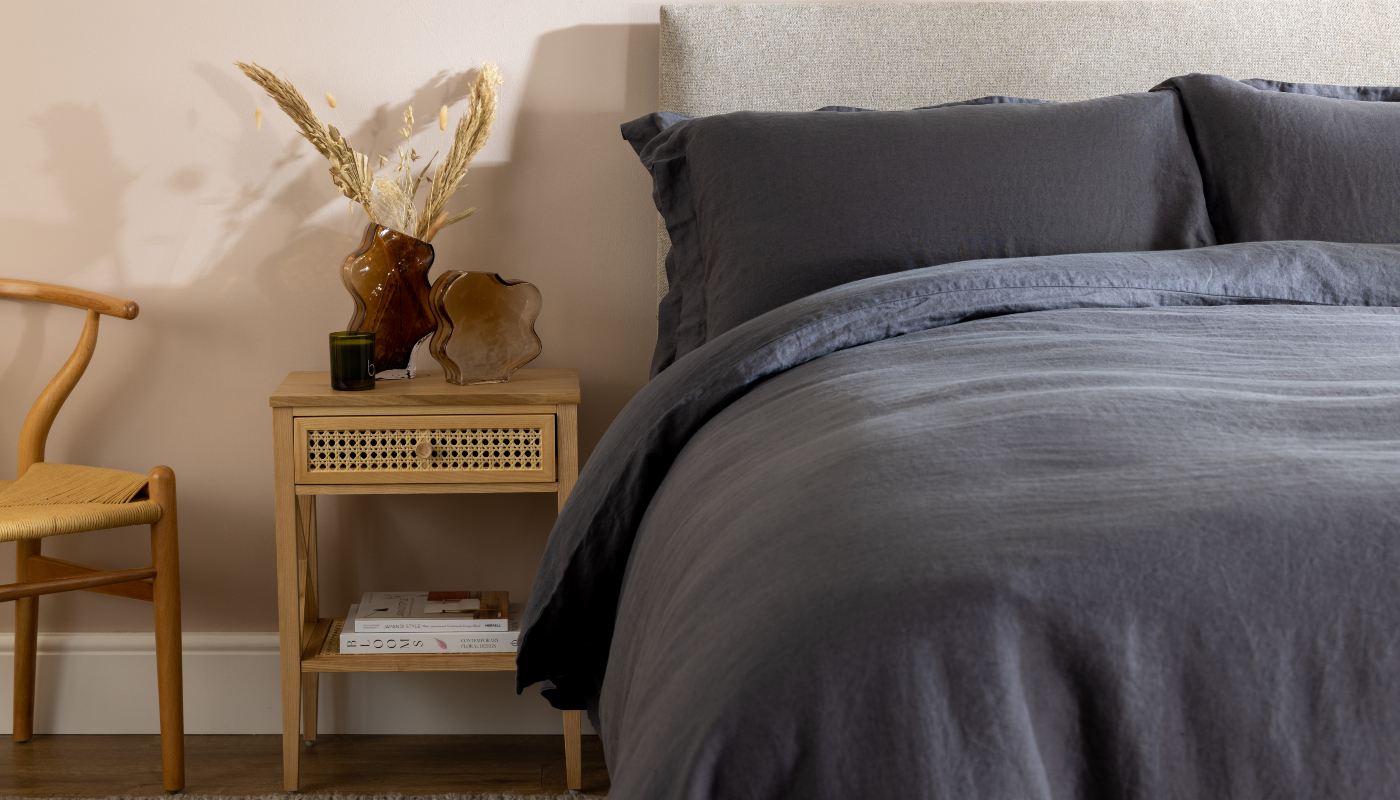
(765, 208)
(1295, 160)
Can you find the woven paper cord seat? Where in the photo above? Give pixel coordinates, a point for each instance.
(34, 506)
(36, 522)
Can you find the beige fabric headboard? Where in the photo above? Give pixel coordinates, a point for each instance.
(790, 57)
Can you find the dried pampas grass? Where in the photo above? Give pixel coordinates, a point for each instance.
(473, 129)
(389, 201)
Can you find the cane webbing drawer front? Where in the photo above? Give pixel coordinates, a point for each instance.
(461, 448)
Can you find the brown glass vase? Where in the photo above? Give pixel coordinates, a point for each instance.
(387, 277)
(485, 326)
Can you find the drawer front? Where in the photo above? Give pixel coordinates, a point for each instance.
(468, 448)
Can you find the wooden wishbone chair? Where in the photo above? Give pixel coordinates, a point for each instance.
(58, 499)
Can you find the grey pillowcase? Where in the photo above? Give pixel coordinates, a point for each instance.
(669, 334)
(765, 208)
(1287, 161)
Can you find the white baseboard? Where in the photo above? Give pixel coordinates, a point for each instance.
(106, 683)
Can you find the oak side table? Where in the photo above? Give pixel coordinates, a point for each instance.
(418, 436)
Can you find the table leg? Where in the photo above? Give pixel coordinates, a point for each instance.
(567, 474)
(567, 466)
(573, 749)
(310, 608)
(289, 618)
(310, 694)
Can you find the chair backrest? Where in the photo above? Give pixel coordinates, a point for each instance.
(41, 416)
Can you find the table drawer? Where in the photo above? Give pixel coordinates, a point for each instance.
(466, 448)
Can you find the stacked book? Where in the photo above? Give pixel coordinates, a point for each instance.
(431, 622)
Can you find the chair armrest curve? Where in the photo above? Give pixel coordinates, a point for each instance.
(68, 296)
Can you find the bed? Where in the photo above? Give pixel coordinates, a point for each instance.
(996, 447)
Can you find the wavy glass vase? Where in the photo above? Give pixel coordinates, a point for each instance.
(485, 326)
(387, 277)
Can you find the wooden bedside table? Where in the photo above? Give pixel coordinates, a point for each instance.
(418, 436)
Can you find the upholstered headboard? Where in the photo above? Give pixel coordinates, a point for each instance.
(794, 57)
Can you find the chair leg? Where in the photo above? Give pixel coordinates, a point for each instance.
(26, 644)
(165, 556)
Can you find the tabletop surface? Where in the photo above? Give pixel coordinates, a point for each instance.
(525, 387)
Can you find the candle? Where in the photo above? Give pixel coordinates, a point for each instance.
(352, 360)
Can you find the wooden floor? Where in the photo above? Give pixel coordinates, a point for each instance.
(100, 766)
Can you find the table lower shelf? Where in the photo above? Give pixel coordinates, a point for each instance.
(322, 654)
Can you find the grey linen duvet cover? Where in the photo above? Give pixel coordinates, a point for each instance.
(1109, 525)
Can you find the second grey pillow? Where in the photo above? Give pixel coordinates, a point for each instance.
(1283, 161)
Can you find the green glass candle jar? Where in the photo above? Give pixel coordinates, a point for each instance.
(352, 360)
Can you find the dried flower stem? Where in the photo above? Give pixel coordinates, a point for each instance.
(435, 227)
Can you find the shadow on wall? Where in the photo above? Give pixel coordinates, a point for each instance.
(91, 183)
(571, 212)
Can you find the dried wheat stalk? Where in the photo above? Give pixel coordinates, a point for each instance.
(350, 171)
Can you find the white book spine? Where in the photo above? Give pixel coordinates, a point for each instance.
(354, 642)
(416, 626)
(445, 626)
(503, 642)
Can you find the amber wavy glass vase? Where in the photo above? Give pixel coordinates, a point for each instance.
(485, 326)
(387, 276)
